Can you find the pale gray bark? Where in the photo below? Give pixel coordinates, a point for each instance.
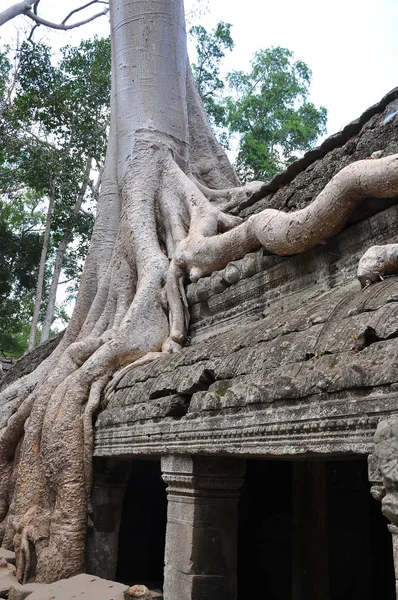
(59, 258)
(378, 262)
(20, 8)
(209, 163)
(24, 8)
(150, 89)
(42, 269)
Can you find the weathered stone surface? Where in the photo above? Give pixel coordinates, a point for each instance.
(138, 591)
(386, 453)
(10, 587)
(295, 380)
(20, 592)
(102, 540)
(201, 537)
(86, 587)
(7, 572)
(7, 579)
(5, 365)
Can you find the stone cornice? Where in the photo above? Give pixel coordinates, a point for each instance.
(341, 428)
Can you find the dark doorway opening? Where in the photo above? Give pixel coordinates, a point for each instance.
(143, 527)
(310, 530)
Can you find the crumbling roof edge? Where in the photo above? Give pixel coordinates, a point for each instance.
(334, 141)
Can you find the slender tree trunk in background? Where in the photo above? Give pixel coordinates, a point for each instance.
(42, 269)
(161, 218)
(59, 258)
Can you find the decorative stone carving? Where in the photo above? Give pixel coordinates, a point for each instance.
(375, 477)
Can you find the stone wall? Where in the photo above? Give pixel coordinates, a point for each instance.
(5, 366)
(287, 355)
(29, 361)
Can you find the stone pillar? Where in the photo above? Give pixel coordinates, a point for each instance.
(110, 480)
(202, 524)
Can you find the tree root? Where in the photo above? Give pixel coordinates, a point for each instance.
(231, 198)
(201, 253)
(91, 408)
(144, 360)
(377, 263)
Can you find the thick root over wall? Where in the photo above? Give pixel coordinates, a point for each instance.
(172, 229)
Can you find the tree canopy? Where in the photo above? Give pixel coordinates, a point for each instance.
(270, 110)
(267, 107)
(210, 51)
(19, 258)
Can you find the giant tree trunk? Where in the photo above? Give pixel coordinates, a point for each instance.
(159, 221)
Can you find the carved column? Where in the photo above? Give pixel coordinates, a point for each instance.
(110, 480)
(383, 474)
(201, 536)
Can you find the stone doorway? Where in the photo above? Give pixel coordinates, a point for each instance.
(310, 530)
(143, 527)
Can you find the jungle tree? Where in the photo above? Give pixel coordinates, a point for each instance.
(19, 258)
(160, 221)
(210, 50)
(271, 112)
(53, 135)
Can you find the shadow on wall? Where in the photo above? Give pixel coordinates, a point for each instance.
(143, 527)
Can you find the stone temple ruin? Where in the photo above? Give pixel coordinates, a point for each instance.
(253, 463)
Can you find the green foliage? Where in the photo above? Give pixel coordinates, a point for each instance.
(270, 110)
(61, 115)
(210, 50)
(53, 119)
(267, 107)
(20, 250)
